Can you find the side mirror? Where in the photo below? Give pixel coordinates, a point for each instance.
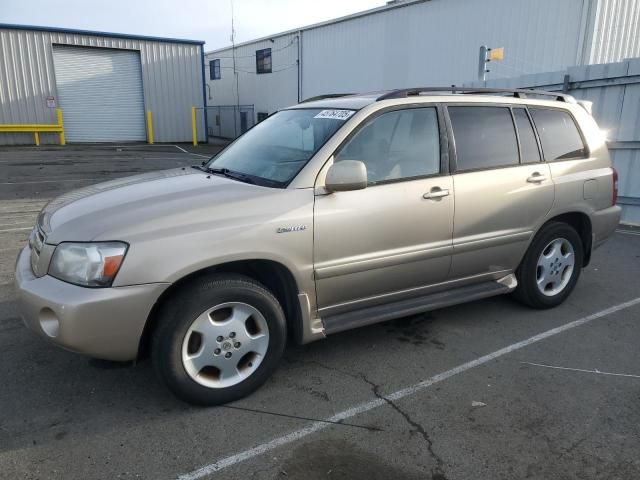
(346, 175)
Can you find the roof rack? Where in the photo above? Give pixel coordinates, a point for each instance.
(324, 97)
(517, 93)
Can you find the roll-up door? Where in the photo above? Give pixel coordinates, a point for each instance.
(100, 93)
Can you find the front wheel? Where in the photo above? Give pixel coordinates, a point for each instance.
(219, 339)
(551, 267)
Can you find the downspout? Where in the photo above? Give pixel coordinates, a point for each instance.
(204, 96)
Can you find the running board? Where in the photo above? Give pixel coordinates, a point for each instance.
(402, 308)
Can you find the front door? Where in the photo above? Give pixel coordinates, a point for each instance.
(393, 238)
(502, 188)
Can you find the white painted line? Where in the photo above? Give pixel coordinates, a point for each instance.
(581, 370)
(15, 229)
(199, 155)
(52, 181)
(405, 392)
(628, 232)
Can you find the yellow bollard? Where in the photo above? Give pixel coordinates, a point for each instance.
(61, 125)
(150, 127)
(36, 136)
(194, 126)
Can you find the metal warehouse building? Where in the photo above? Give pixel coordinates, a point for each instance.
(105, 84)
(412, 43)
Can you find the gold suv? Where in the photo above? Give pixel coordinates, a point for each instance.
(333, 214)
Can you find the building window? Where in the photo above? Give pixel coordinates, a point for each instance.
(214, 69)
(263, 60)
(217, 120)
(262, 116)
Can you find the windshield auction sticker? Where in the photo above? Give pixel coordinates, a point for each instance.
(335, 114)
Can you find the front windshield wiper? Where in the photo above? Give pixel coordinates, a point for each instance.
(241, 177)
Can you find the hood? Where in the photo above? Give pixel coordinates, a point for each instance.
(142, 204)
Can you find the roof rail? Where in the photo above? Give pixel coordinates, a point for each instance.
(324, 97)
(518, 93)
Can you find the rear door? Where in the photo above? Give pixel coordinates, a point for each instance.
(502, 188)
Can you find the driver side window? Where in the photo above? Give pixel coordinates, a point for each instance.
(397, 145)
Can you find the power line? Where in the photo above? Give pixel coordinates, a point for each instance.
(276, 70)
(253, 55)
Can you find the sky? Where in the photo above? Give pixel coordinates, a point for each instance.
(208, 20)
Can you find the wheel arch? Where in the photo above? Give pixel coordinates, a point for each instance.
(581, 222)
(272, 274)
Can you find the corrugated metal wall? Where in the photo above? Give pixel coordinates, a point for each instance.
(614, 89)
(431, 42)
(436, 43)
(171, 76)
(615, 31)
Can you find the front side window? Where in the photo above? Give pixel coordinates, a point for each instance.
(484, 137)
(276, 149)
(214, 70)
(263, 60)
(558, 133)
(396, 145)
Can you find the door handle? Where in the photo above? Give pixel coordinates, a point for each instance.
(435, 193)
(536, 178)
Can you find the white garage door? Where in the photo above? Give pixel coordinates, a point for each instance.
(100, 93)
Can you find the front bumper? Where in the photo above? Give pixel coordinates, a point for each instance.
(104, 323)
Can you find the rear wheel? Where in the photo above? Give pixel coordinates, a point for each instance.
(551, 267)
(219, 340)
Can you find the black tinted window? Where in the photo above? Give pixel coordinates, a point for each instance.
(396, 145)
(484, 137)
(528, 146)
(558, 134)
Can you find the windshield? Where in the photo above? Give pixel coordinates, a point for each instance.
(275, 150)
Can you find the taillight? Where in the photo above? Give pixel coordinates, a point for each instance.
(615, 186)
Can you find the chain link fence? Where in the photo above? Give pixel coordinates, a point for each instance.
(229, 121)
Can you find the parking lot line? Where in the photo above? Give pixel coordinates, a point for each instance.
(50, 181)
(384, 399)
(629, 232)
(16, 229)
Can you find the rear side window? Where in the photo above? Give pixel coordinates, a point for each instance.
(484, 137)
(529, 152)
(558, 134)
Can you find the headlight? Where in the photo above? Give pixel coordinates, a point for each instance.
(87, 264)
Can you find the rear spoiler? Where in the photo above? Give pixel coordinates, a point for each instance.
(587, 105)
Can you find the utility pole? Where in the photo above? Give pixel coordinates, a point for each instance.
(235, 73)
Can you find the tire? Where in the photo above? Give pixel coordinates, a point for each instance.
(193, 338)
(547, 282)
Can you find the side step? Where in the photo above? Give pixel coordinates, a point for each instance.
(402, 308)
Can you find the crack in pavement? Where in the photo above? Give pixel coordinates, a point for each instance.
(437, 472)
(297, 417)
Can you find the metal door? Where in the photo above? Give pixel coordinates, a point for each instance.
(100, 93)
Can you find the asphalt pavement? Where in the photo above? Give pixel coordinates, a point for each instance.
(485, 390)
